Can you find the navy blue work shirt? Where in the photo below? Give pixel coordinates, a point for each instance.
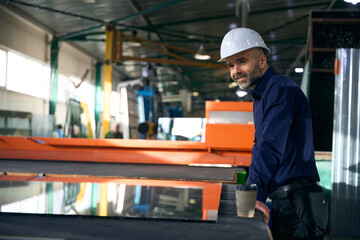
(283, 147)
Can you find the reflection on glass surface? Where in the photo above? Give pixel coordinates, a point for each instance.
(184, 129)
(133, 198)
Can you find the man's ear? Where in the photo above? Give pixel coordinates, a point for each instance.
(262, 61)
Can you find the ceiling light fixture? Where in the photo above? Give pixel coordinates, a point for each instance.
(195, 94)
(133, 44)
(200, 55)
(173, 82)
(299, 70)
(352, 1)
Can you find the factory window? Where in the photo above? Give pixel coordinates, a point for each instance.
(16, 73)
(46, 82)
(2, 68)
(81, 90)
(63, 88)
(33, 81)
(115, 103)
(27, 76)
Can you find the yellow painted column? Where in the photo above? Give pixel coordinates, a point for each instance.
(107, 81)
(103, 203)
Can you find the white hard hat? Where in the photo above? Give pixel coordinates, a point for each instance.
(241, 39)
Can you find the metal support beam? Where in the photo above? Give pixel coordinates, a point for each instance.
(244, 12)
(107, 82)
(117, 53)
(137, 9)
(54, 59)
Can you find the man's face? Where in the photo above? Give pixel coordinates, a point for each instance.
(245, 68)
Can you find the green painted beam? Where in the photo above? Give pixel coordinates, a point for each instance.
(83, 40)
(94, 198)
(54, 59)
(50, 197)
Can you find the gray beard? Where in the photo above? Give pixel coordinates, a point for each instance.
(253, 81)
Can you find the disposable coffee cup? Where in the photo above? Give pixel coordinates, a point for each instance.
(245, 200)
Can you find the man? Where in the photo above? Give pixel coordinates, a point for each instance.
(58, 132)
(283, 165)
(114, 134)
(76, 133)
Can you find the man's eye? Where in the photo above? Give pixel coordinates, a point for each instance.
(242, 62)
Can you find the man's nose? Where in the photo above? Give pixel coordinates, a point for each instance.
(237, 68)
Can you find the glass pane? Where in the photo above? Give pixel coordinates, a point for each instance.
(33, 78)
(159, 199)
(16, 73)
(46, 82)
(18, 123)
(63, 88)
(184, 129)
(231, 117)
(115, 103)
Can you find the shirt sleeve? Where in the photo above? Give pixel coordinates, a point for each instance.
(278, 111)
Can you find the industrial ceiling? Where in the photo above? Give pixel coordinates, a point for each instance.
(190, 24)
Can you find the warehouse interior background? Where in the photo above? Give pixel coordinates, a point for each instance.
(94, 64)
(72, 33)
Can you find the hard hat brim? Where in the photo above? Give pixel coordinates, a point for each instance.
(267, 53)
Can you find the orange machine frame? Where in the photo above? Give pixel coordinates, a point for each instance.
(229, 135)
(228, 144)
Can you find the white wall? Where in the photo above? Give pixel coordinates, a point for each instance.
(22, 36)
(74, 62)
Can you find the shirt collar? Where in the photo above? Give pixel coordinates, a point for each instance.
(260, 87)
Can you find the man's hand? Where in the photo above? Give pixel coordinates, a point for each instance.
(264, 209)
